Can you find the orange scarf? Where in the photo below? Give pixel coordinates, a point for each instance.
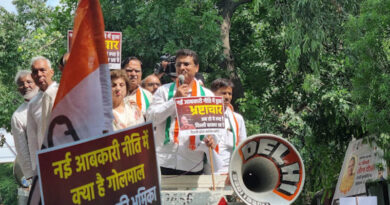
(138, 96)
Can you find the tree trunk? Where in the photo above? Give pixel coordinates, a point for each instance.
(226, 10)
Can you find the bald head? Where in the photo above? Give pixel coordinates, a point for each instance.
(151, 83)
(41, 72)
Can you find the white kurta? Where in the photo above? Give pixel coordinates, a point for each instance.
(226, 141)
(48, 99)
(34, 120)
(131, 116)
(133, 97)
(170, 155)
(19, 130)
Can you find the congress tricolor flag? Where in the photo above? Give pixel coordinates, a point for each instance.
(83, 105)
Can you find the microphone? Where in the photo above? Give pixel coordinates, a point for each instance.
(181, 79)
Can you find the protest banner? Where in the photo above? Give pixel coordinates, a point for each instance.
(118, 168)
(200, 115)
(359, 166)
(113, 41)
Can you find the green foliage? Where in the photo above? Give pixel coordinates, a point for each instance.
(158, 27)
(8, 186)
(368, 39)
(291, 60)
(35, 30)
(383, 141)
(10, 33)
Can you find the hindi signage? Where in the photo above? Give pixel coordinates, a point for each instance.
(200, 115)
(358, 167)
(113, 42)
(118, 168)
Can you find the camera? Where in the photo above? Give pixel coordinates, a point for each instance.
(166, 65)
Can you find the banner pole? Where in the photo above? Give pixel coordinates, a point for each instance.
(212, 167)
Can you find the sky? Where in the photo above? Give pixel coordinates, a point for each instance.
(7, 4)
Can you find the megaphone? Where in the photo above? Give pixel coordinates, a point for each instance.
(266, 170)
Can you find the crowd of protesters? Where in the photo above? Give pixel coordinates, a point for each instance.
(135, 101)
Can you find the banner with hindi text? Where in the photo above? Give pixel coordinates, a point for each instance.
(118, 168)
(200, 115)
(359, 166)
(113, 41)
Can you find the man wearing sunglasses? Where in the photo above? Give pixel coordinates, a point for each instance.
(143, 98)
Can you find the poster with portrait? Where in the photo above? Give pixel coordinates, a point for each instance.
(200, 115)
(118, 168)
(113, 40)
(359, 166)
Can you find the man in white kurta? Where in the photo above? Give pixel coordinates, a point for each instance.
(234, 124)
(143, 98)
(37, 117)
(28, 89)
(174, 153)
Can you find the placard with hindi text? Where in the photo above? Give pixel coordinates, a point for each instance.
(113, 40)
(118, 168)
(200, 115)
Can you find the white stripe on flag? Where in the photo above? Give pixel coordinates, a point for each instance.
(83, 106)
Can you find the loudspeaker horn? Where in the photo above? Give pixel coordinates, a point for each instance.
(266, 169)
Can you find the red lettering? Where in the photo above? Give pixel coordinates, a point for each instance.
(370, 168)
(360, 170)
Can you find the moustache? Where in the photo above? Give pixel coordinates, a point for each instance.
(30, 93)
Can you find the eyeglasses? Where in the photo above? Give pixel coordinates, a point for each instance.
(153, 84)
(22, 84)
(178, 64)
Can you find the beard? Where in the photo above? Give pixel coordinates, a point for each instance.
(30, 94)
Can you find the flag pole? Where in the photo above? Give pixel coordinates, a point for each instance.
(212, 167)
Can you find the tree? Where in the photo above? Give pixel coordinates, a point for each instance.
(11, 32)
(153, 28)
(368, 40)
(35, 30)
(368, 47)
(291, 58)
(226, 10)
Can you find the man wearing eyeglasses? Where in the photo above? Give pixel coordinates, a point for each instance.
(39, 108)
(143, 98)
(151, 83)
(178, 154)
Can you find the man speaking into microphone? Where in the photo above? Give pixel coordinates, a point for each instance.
(177, 154)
